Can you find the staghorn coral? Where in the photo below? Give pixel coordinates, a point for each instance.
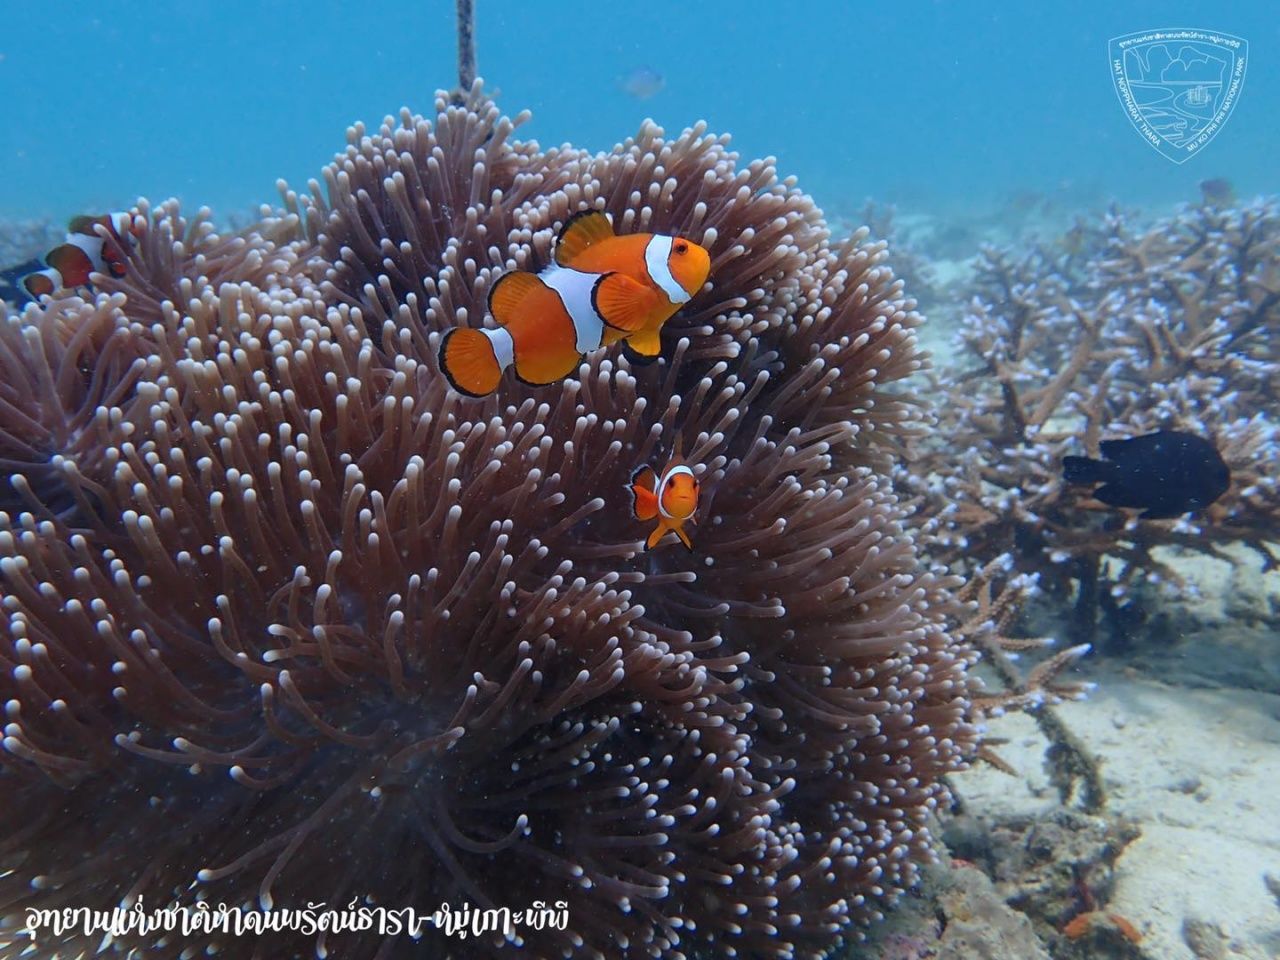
(1115, 331)
(286, 620)
(22, 240)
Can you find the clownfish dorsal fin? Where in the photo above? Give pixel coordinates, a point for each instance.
(507, 293)
(623, 303)
(84, 224)
(584, 228)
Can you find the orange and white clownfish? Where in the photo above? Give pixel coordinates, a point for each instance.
(671, 499)
(601, 288)
(69, 264)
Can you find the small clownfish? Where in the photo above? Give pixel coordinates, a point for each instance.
(69, 264)
(601, 288)
(671, 499)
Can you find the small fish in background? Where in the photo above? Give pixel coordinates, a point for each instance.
(671, 499)
(643, 83)
(600, 289)
(1166, 473)
(1217, 192)
(1076, 240)
(70, 263)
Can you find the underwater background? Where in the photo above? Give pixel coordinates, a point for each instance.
(931, 105)
(1073, 286)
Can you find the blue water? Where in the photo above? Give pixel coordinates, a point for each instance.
(935, 106)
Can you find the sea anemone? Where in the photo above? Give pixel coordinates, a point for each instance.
(288, 621)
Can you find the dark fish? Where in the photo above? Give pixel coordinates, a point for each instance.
(1217, 192)
(1165, 474)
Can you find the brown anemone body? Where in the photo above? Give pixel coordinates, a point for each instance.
(287, 620)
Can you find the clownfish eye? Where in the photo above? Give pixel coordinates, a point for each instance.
(682, 247)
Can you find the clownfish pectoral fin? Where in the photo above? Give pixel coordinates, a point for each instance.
(656, 536)
(623, 303)
(644, 347)
(584, 228)
(684, 537)
(509, 291)
(644, 497)
(468, 360)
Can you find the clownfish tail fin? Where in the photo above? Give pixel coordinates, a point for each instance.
(469, 361)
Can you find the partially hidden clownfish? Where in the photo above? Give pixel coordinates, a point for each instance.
(84, 252)
(671, 499)
(601, 288)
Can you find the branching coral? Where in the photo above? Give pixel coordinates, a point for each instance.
(1114, 332)
(22, 240)
(288, 620)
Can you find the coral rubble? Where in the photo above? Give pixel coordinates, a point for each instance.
(288, 621)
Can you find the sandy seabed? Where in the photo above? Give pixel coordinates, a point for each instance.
(1199, 772)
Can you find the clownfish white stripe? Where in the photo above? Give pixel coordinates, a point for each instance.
(574, 287)
(656, 252)
(504, 348)
(682, 469)
(33, 286)
(92, 247)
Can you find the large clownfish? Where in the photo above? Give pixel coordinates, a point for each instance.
(84, 252)
(601, 288)
(671, 499)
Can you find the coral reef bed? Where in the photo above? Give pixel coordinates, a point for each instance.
(22, 240)
(1183, 720)
(287, 620)
(1115, 331)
